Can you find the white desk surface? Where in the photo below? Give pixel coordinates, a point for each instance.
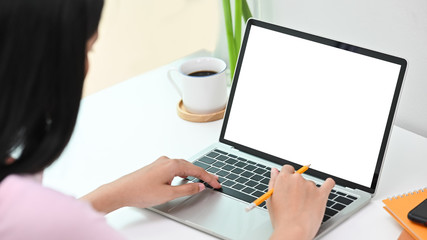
(129, 125)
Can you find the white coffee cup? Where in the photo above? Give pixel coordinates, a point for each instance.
(201, 83)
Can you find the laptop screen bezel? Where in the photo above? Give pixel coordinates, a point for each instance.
(333, 43)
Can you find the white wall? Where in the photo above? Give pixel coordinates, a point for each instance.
(397, 27)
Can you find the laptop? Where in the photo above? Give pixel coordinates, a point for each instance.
(296, 99)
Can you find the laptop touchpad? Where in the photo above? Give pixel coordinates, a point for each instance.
(223, 215)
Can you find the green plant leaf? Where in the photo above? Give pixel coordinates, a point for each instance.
(230, 36)
(238, 25)
(246, 11)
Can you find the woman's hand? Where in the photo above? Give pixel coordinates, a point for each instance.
(297, 205)
(150, 186)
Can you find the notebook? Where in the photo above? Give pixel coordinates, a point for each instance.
(296, 99)
(399, 207)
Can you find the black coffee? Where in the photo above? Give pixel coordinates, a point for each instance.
(202, 73)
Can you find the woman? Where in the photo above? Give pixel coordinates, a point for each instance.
(43, 63)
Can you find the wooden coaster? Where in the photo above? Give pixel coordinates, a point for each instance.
(194, 117)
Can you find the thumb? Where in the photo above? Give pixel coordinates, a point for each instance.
(187, 189)
(328, 185)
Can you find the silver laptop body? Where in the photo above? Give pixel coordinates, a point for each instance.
(297, 99)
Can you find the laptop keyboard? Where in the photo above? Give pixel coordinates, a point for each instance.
(247, 180)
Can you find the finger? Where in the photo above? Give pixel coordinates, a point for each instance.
(210, 179)
(163, 159)
(187, 189)
(311, 183)
(288, 169)
(10, 160)
(186, 168)
(273, 175)
(328, 185)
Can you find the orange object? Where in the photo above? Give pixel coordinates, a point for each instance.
(404, 235)
(401, 205)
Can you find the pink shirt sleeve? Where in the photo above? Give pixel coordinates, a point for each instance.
(30, 211)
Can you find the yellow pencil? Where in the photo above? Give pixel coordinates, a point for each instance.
(266, 195)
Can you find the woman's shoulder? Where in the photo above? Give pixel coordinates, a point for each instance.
(30, 210)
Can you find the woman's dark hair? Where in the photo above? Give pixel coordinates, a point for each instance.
(42, 70)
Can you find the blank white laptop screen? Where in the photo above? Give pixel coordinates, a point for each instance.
(311, 103)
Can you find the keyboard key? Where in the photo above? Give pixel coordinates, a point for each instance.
(228, 167)
(237, 170)
(248, 190)
(332, 196)
(242, 159)
(352, 197)
(263, 205)
(257, 178)
(265, 181)
(253, 163)
(338, 206)
(238, 186)
(222, 173)
(221, 158)
(249, 167)
(251, 183)
(341, 193)
(231, 161)
(228, 183)
(257, 193)
(232, 176)
(236, 194)
(329, 203)
(212, 154)
(207, 160)
(240, 164)
(343, 200)
(259, 165)
(260, 171)
(219, 151)
(232, 156)
(218, 164)
(267, 174)
(247, 174)
(262, 187)
(242, 180)
(330, 212)
(202, 165)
